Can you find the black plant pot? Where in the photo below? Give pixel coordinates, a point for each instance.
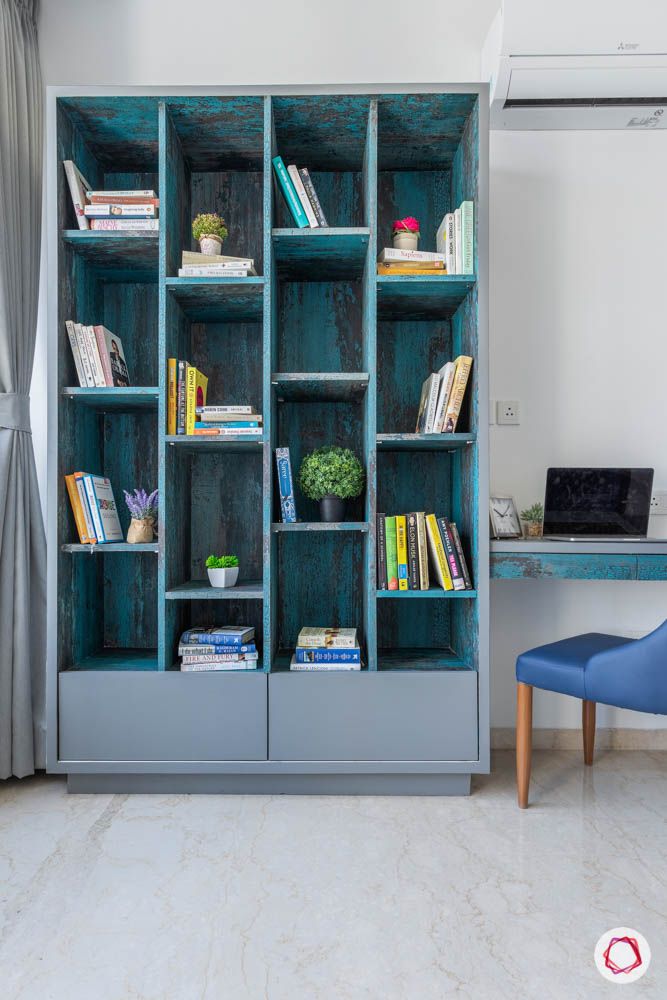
(332, 508)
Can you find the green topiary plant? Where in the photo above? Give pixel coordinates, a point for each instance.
(331, 471)
(534, 513)
(209, 224)
(222, 562)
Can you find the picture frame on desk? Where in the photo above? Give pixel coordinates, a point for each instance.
(504, 517)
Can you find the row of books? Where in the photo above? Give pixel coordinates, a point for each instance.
(203, 265)
(110, 209)
(327, 649)
(98, 356)
(187, 412)
(300, 195)
(94, 508)
(410, 546)
(223, 647)
(442, 397)
(454, 239)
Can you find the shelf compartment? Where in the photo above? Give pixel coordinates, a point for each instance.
(118, 659)
(321, 254)
(106, 547)
(424, 442)
(119, 399)
(219, 300)
(201, 590)
(190, 443)
(128, 256)
(415, 658)
(422, 296)
(301, 526)
(436, 593)
(320, 386)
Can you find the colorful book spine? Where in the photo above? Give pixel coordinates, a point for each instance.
(450, 553)
(467, 237)
(83, 351)
(118, 210)
(381, 554)
(219, 657)
(455, 402)
(85, 507)
(437, 270)
(312, 195)
(301, 194)
(210, 410)
(77, 510)
(92, 506)
(94, 357)
(389, 254)
(172, 380)
(392, 561)
(285, 486)
(316, 655)
(208, 425)
(103, 508)
(295, 665)
(198, 667)
(196, 637)
(226, 431)
(208, 272)
(144, 195)
(289, 193)
(118, 198)
(113, 225)
(438, 557)
(180, 397)
(461, 556)
(413, 552)
(207, 649)
(402, 552)
(76, 353)
(422, 547)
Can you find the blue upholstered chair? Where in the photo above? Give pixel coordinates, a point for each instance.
(626, 673)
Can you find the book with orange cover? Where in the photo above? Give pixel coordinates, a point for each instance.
(77, 510)
(439, 271)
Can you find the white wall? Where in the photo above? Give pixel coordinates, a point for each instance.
(576, 263)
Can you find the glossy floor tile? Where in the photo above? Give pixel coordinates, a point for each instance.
(115, 897)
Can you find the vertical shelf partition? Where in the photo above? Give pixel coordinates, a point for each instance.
(329, 353)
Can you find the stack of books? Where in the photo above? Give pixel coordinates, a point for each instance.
(410, 262)
(455, 239)
(187, 412)
(109, 210)
(94, 508)
(406, 543)
(227, 647)
(300, 195)
(442, 397)
(327, 649)
(203, 265)
(98, 356)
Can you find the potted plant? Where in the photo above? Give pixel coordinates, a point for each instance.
(209, 229)
(143, 515)
(405, 233)
(223, 571)
(533, 518)
(331, 475)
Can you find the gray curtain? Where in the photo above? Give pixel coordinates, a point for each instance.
(22, 542)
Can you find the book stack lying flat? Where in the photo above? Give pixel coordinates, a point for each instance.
(109, 210)
(94, 508)
(187, 412)
(203, 265)
(300, 195)
(98, 356)
(408, 544)
(442, 397)
(410, 262)
(327, 649)
(227, 647)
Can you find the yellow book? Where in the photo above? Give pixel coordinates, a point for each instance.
(461, 375)
(410, 269)
(438, 556)
(171, 395)
(402, 551)
(195, 395)
(77, 510)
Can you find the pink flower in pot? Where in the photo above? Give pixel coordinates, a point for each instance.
(406, 233)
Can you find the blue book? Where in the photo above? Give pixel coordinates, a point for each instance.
(211, 648)
(285, 486)
(318, 655)
(201, 424)
(228, 635)
(289, 193)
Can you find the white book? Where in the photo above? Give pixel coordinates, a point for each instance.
(83, 497)
(295, 665)
(210, 410)
(114, 225)
(302, 196)
(441, 237)
(77, 188)
(229, 431)
(467, 237)
(218, 657)
(328, 638)
(120, 194)
(432, 402)
(95, 359)
(389, 255)
(446, 374)
(76, 353)
(192, 258)
(85, 360)
(103, 508)
(101, 210)
(458, 243)
(196, 668)
(207, 272)
(218, 269)
(450, 248)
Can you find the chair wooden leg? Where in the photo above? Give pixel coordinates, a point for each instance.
(588, 726)
(524, 740)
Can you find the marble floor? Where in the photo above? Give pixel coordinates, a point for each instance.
(116, 897)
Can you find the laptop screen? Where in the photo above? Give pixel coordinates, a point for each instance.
(597, 501)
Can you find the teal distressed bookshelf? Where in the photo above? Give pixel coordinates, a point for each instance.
(328, 352)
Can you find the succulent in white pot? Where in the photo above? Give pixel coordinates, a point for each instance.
(210, 231)
(223, 571)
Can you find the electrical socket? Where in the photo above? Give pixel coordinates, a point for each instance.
(507, 411)
(659, 502)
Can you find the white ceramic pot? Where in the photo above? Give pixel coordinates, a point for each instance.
(404, 240)
(210, 245)
(223, 577)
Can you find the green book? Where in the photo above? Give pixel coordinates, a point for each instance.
(392, 561)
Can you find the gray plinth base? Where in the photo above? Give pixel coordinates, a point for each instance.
(272, 784)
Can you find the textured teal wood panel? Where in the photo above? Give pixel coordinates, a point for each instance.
(196, 445)
(109, 548)
(421, 131)
(121, 399)
(438, 594)
(340, 194)
(320, 254)
(405, 625)
(325, 386)
(323, 132)
(181, 615)
(132, 311)
(410, 480)
(319, 327)
(220, 133)
(407, 353)
(310, 526)
(420, 659)
(219, 300)
(118, 659)
(652, 567)
(119, 256)
(201, 590)
(122, 131)
(562, 566)
(425, 297)
(269, 338)
(424, 442)
(421, 193)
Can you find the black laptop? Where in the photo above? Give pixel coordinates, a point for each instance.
(597, 504)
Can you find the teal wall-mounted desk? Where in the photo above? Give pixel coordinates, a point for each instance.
(543, 560)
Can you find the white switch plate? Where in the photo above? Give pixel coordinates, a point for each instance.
(659, 502)
(507, 411)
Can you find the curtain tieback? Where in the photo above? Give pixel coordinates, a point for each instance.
(15, 412)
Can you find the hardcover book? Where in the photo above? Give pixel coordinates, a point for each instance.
(219, 658)
(180, 397)
(389, 254)
(438, 557)
(83, 351)
(198, 667)
(285, 486)
(146, 195)
(312, 194)
(461, 556)
(422, 547)
(302, 196)
(381, 554)
(112, 225)
(76, 353)
(103, 508)
(455, 402)
(289, 193)
(327, 638)
(296, 665)
(192, 258)
(446, 374)
(209, 272)
(458, 243)
(318, 655)
(208, 649)
(224, 635)
(77, 510)
(467, 237)
(111, 352)
(85, 506)
(402, 552)
(134, 210)
(413, 552)
(196, 384)
(392, 561)
(450, 552)
(172, 379)
(77, 184)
